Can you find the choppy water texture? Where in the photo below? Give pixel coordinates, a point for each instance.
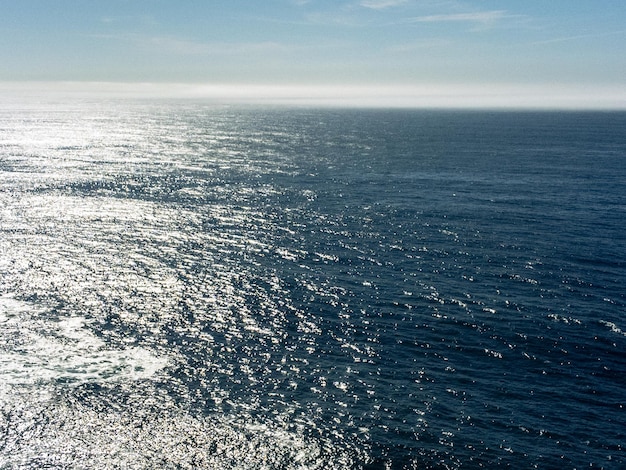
(191, 286)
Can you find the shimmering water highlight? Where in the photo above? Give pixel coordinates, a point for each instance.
(191, 286)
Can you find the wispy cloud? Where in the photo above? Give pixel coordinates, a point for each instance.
(381, 4)
(143, 20)
(580, 36)
(426, 44)
(474, 17)
(335, 19)
(177, 46)
(184, 47)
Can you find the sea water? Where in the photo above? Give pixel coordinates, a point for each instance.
(186, 285)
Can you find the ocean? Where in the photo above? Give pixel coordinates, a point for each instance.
(185, 285)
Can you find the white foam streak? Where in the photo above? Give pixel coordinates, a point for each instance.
(35, 349)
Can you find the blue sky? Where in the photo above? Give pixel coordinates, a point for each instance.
(573, 45)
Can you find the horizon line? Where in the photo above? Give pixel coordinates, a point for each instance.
(447, 96)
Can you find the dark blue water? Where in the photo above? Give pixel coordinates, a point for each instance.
(191, 286)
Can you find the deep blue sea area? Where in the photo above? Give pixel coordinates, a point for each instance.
(186, 285)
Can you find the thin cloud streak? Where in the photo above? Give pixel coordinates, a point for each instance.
(420, 45)
(340, 19)
(580, 36)
(381, 4)
(184, 47)
(479, 17)
(144, 20)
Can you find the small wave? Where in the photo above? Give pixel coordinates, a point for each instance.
(563, 319)
(614, 328)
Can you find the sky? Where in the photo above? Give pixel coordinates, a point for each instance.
(569, 53)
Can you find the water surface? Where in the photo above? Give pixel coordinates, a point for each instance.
(195, 286)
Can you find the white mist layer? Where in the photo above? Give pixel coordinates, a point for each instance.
(486, 95)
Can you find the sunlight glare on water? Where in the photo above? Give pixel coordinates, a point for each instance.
(194, 286)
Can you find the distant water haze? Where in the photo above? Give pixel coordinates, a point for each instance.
(495, 96)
